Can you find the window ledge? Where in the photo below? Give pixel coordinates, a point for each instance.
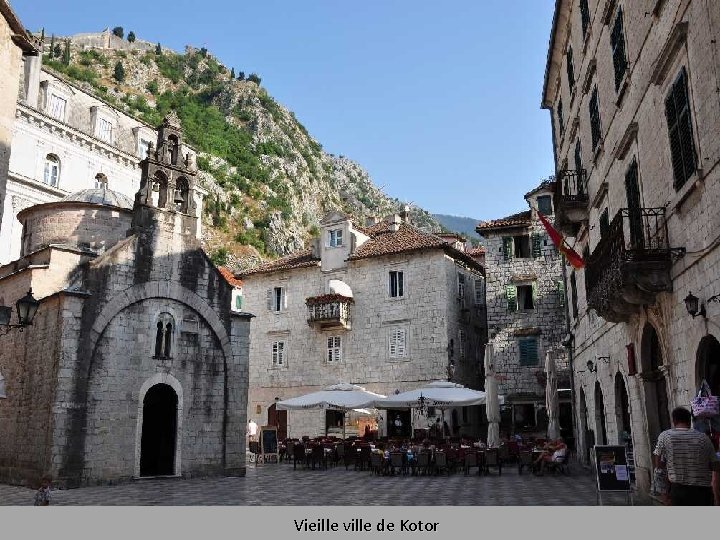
(682, 195)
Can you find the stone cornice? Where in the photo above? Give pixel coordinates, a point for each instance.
(45, 122)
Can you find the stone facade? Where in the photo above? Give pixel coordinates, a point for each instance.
(14, 43)
(650, 354)
(525, 308)
(135, 365)
(441, 331)
(66, 140)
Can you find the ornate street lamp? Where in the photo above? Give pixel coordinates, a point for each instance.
(26, 309)
(694, 306)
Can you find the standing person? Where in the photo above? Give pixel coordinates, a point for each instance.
(252, 430)
(691, 462)
(398, 426)
(42, 496)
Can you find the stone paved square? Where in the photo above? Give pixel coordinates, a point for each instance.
(281, 485)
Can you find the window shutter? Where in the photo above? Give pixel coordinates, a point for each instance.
(283, 296)
(392, 345)
(522, 347)
(401, 343)
(401, 284)
(561, 293)
(682, 146)
(617, 42)
(584, 16)
(534, 294)
(536, 245)
(269, 294)
(595, 128)
(511, 294)
(532, 352)
(570, 68)
(507, 247)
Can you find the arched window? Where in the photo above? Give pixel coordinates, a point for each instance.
(160, 188)
(174, 149)
(182, 194)
(101, 181)
(164, 335)
(51, 174)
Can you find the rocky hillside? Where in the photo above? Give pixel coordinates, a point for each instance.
(270, 182)
(461, 225)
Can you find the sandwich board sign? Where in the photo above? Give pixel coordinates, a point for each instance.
(268, 445)
(611, 470)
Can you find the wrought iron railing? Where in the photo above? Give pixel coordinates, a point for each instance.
(634, 236)
(572, 186)
(329, 308)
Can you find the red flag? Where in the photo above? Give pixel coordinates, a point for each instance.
(558, 239)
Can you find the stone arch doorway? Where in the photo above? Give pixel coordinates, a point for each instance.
(600, 423)
(622, 411)
(657, 405)
(586, 436)
(159, 431)
(708, 363)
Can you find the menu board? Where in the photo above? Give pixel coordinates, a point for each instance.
(611, 468)
(269, 444)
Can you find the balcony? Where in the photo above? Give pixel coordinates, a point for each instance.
(329, 311)
(571, 200)
(630, 265)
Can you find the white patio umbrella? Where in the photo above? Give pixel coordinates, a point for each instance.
(492, 406)
(551, 399)
(339, 397)
(440, 394)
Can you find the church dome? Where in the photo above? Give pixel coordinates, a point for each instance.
(100, 196)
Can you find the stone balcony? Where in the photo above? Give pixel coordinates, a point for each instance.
(630, 264)
(571, 200)
(329, 311)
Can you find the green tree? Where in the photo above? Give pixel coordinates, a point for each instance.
(52, 47)
(153, 87)
(232, 73)
(158, 49)
(253, 77)
(119, 73)
(131, 37)
(119, 32)
(241, 76)
(66, 53)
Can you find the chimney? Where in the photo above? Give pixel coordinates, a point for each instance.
(33, 64)
(370, 221)
(395, 221)
(405, 214)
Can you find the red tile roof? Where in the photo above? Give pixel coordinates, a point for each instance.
(299, 259)
(229, 277)
(476, 252)
(521, 219)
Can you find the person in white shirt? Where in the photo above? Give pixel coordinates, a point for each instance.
(252, 428)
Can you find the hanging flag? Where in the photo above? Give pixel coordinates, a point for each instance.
(558, 239)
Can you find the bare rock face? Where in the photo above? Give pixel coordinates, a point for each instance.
(268, 181)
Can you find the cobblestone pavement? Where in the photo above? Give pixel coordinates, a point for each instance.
(281, 485)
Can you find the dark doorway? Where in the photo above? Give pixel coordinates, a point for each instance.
(708, 363)
(622, 411)
(278, 418)
(600, 428)
(656, 396)
(159, 431)
(566, 424)
(584, 432)
(399, 423)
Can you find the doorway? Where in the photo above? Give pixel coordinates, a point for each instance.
(622, 411)
(159, 431)
(657, 407)
(600, 424)
(400, 423)
(708, 363)
(278, 418)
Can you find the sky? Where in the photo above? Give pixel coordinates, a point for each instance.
(438, 101)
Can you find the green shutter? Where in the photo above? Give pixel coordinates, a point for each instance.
(507, 247)
(534, 294)
(511, 294)
(561, 293)
(536, 245)
(528, 352)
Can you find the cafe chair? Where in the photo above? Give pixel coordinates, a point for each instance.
(525, 459)
(471, 460)
(492, 459)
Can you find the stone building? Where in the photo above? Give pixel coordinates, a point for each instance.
(66, 140)
(526, 314)
(135, 365)
(387, 307)
(632, 91)
(14, 44)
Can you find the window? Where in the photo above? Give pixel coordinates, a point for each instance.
(511, 296)
(526, 297)
(101, 181)
(278, 353)
(104, 130)
(524, 416)
(584, 16)
(578, 161)
(397, 347)
(528, 348)
(573, 295)
(570, 68)
(52, 170)
(604, 223)
(165, 327)
(522, 246)
(335, 238)
(561, 293)
(595, 126)
(397, 285)
(561, 121)
(617, 42)
(143, 148)
(277, 299)
(57, 107)
(461, 289)
(334, 348)
(463, 339)
(680, 131)
(544, 203)
(479, 292)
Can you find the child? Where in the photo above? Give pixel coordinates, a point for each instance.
(42, 496)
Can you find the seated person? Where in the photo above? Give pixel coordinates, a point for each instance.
(554, 452)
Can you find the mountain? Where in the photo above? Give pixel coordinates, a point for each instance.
(269, 181)
(458, 224)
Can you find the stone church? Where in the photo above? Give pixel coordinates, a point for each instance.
(136, 364)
